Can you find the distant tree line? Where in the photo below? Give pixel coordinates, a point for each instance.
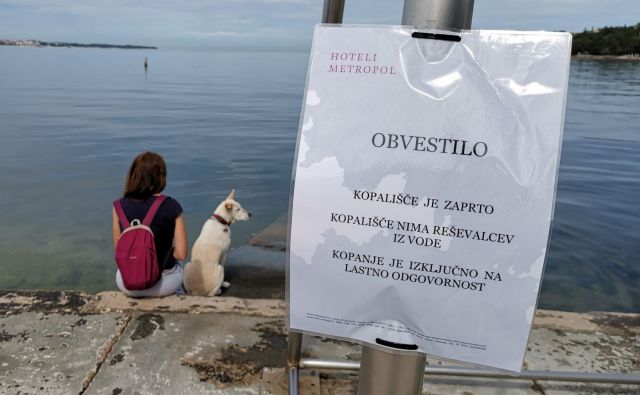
(612, 41)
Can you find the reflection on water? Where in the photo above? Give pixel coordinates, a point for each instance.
(594, 261)
(71, 120)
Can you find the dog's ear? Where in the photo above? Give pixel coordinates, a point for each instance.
(228, 206)
(232, 194)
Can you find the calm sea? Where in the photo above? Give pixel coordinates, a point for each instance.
(72, 119)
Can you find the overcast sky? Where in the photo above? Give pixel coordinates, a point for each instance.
(269, 24)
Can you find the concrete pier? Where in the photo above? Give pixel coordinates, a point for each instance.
(71, 342)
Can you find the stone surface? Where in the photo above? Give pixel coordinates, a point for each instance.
(341, 383)
(60, 342)
(274, 382)
(477, 386)
(560, 341)
(591, 343)
(51, 353)
(176, 353)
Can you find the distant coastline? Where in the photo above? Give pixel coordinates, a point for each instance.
(61, 44)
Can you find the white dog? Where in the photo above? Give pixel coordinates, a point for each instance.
(204, 275)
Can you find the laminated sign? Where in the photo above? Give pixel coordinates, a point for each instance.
(424, 187)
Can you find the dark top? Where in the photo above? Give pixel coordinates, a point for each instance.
(163, 225)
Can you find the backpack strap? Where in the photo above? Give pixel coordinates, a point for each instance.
(121, 215)
(153, 210)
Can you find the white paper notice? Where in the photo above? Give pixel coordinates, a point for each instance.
(424, 188)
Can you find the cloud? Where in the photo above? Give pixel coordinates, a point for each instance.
(569, 15)
(272, 22)
(219, 34)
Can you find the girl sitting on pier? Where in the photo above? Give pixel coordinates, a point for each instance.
(146, 179)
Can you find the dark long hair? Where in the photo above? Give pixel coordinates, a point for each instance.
(146, 177)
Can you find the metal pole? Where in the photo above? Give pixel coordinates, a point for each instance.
(438, 14)
(294, 348)
(384, 371)
(459, 371)
(332, 11)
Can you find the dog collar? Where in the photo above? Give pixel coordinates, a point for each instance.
(221, 220)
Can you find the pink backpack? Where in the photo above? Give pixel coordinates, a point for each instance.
(136, 251)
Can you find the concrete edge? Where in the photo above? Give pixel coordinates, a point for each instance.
(110, 301)
(67, 302)
(75, 302)
(608, 322)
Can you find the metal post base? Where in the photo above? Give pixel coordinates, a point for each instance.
(294, 347)
(386, 371)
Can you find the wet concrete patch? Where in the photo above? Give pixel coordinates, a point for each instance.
(146, 324)
(20, 337)
(45, 302)
(255, 282)
(618, 323)
(6, 336)
(255, 273)
(80, 322)
(116, 359)
(273, 237)
(236, 364)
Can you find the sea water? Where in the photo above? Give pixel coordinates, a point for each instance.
(71, 120)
